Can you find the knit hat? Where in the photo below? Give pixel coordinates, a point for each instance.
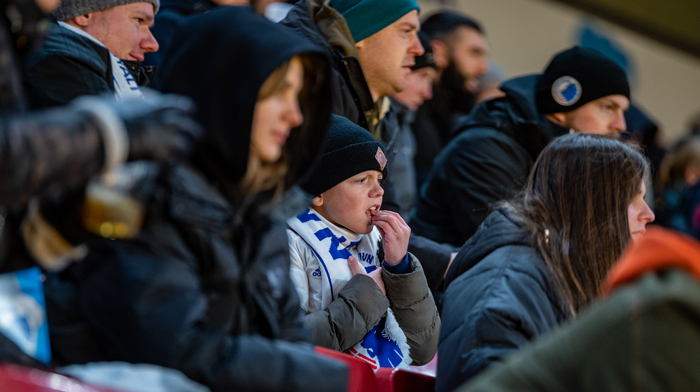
(426, 59)
(349, 150)
(577, 76)
(69, 9)
(366, 17)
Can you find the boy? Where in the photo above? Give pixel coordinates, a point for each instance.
(363, 293)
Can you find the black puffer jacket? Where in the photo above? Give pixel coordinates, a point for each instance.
(487, 160)
(499, 297)
(205, 287)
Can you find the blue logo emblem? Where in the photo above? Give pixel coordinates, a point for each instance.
(566, 91)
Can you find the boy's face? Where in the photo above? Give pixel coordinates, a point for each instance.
(348, 204)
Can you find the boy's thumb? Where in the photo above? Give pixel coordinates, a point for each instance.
(355, 267)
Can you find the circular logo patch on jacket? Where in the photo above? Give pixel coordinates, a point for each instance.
(566, 91)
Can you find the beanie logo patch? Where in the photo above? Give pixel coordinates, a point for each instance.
(566, 91)
(381, 158)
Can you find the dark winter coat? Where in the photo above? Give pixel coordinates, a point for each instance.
(645, 336)
(69, 65)
(205, 287)
(499, 297)
(170, 13)
(488, 160)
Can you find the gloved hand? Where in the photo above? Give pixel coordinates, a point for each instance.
(159, 127)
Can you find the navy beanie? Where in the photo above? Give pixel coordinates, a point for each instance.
(366, 17)
(577, 76)
(349, 150)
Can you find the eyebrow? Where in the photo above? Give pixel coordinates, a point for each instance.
(145, 16)
(413, 26)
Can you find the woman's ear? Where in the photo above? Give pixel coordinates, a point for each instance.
(317, 201)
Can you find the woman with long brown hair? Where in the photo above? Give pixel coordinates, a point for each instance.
(540, 259)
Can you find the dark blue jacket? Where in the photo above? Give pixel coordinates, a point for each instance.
(487, 160)
(499, 297)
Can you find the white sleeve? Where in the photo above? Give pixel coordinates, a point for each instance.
(297, 269)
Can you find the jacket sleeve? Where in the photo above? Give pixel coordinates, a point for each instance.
(414, 307)
(487, 167)
(42, 153)
(347, 320)
(57, 79)
(144, 304)
(485, 319)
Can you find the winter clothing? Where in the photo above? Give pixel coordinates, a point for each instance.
(69, 9)
(577, 76)
(70, 64)
(205, 287)
(403, 150)
(351, 98)
(499, 297)
(348, 313)
(488, 160)
(170, 14)
(363, 18)
(349, 150)
(645, 336)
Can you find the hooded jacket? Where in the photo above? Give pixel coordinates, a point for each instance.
(487, 160)
(205, 287)
(499, 297)
(645, 336)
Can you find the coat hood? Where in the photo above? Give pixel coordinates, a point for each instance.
(658, 250)
(515, 115)
(498, 230)
(221, 59)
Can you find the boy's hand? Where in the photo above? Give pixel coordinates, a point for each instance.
(395, 234)
(376, 275)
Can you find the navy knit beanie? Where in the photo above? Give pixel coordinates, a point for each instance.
(349, 150)
(577, 76)
(366, 17)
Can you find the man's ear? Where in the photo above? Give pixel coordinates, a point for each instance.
(360, 45)
(317, 201)
(82, 20)
(557, 118)
(441, 53)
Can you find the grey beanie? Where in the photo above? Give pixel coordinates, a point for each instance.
(69, 9)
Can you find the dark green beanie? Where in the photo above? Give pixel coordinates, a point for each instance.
(366, 17)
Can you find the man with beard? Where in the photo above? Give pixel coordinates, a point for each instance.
(460, 52)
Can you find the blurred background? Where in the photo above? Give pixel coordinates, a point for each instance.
(657, 42)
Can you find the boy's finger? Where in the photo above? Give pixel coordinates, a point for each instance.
(355, 267)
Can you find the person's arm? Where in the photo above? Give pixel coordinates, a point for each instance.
(414, 307)
(46, 152)
(145, 303)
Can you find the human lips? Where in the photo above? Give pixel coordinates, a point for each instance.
(136, 57)
(639, 233)
(373, 210)
(280, 137)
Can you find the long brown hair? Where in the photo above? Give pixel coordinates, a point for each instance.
(575, 206)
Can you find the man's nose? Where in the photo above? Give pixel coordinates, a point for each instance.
(619, 123)
(415, 48)
(148, 42)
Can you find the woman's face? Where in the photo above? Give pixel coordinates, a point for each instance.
(276, 115)
(639, 214)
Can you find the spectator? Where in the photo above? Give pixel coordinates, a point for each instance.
(461, 56)
(392, 323)
(404, 105)
(678, 189)
(493, 151)
(95, 48)
(643, 336)
(205, 287)
(541, 259)
(45, 153)
(371, 45)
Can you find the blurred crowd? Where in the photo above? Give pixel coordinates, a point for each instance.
(224, 189)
